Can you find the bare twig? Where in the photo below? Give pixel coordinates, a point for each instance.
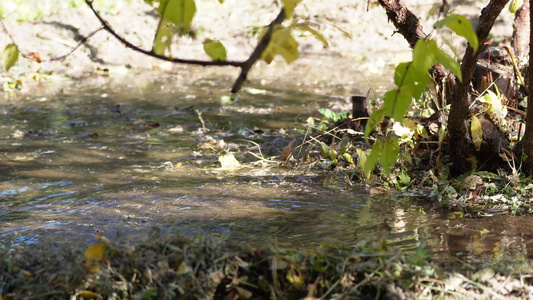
(36, 58)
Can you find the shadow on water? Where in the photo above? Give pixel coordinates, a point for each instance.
(123, 159)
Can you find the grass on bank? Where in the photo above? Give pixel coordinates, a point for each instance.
(177, 267)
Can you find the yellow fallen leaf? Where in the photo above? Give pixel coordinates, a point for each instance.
(296, 280)
(477, 132)
(94, 257)
(183, 268)
(26, 274)
(244, 293)
(89, 295)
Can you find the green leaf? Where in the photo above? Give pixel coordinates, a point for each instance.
(448, 62)
(176, 15)
(282, 43)
(348, 157)
(515, 5)
(344, 144)
(10, 56)
(179, 12)
(424, 56)
(324, 149)
(163, 36)
(329, 114)
(390, 153)
(221, 1)
(477, 132)
(408, 74)
(289, 6)
(372, 158)
(375, 118)
(314, 32)
(361, 158)
(462, 27)
(496, 106)
(215, 49)
(397, 102)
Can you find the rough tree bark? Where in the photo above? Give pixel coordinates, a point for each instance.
(520, 41)
(528, 135)
(404, 20)
(461, 147)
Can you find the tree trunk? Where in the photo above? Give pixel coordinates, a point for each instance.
(404, 20)
(528, 135)
(520, 41)
(461, 147)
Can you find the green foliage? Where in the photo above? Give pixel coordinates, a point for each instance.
(314, 32)
(289, 6)
(411, 80)
(215, 49)
(10, 56)
(329, 114)
(282, 43)
(514, 5)
(495, 104)
(462, 27)
(176, 16)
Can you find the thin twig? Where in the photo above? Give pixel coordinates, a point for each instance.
(151, 53)
(33, 58)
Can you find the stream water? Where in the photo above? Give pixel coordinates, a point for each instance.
(122, 159)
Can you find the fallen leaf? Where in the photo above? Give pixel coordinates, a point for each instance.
(287, 151)
(27, 275)
(228, 162)
(89, 295)
(94, 258)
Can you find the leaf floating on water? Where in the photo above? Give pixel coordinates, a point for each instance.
(228, 162)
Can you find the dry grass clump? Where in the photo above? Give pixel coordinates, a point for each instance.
(177, 267)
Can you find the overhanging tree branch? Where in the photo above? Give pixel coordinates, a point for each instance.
(151, 53)
(261, 46)
(244, 65)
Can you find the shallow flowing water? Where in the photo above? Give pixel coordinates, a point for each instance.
(122, 159)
